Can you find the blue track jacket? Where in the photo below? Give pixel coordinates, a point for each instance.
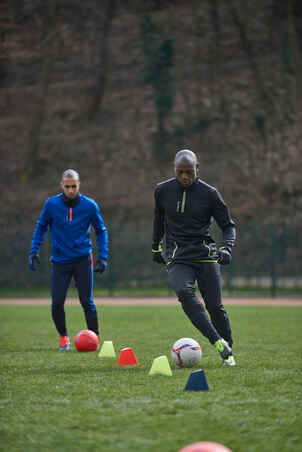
(70, 229)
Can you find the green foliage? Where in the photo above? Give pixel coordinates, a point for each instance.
(260, 124)
(159, 53)
(63, 402)
(282, 11)
(181, 135)
(286, 53)
(214, 15)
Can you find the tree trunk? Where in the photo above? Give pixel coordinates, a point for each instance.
(96, 104)
(34, 161)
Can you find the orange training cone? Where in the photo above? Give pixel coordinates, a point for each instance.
(127, 357)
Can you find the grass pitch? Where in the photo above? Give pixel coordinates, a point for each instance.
(70, 401)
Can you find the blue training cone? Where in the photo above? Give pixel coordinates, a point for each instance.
(197, 381)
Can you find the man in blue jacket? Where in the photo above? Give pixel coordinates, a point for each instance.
(69, 216)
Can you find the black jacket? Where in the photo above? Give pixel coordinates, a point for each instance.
(183, 217)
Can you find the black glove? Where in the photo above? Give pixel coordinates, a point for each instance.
(100, 265)
(33, 259)
(224, 256)
(157, 256)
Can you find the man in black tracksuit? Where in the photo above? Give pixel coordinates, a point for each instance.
(184, 209)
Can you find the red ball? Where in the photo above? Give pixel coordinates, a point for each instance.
(205, 446)
(86, 341)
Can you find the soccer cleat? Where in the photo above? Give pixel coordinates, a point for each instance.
(223, 348)
(64, 343)
(230, 361)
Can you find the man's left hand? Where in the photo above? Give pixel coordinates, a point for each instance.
(224, 257)
(157, 256)
(100, 265)
(33, 260)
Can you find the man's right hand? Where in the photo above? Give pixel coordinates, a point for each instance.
(33, 260)
(157, 257)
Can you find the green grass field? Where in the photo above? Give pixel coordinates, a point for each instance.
(70, 401)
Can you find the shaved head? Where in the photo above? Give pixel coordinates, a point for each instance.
(186, 156)
(186, 166)
(70, 183)
(70, 174)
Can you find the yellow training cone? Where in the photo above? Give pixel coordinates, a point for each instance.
(107, 350)
(161, 366)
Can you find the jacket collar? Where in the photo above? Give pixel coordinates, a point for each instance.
(191, 187)
(70, 202)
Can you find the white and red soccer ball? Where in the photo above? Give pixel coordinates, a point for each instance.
(86, 341)
(186, 352)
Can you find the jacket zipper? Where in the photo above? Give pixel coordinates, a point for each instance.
(70, 214)
(180, 206)
(183, 202)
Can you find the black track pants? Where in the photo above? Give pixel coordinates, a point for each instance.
(61, 274)
(182, 278)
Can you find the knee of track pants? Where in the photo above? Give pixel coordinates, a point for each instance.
(216, 309)
(187, 296)
(88, 306)
(57, 304)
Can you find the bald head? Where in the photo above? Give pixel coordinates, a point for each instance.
(186, 166)
(185, 155)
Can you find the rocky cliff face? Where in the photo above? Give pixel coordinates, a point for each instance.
(114, 89)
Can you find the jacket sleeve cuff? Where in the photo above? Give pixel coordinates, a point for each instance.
(157, 249)
(225, 247)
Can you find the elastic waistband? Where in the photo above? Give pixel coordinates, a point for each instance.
(73, 261)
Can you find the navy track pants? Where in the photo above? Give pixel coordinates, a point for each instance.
(182, 278)
(61, 275)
